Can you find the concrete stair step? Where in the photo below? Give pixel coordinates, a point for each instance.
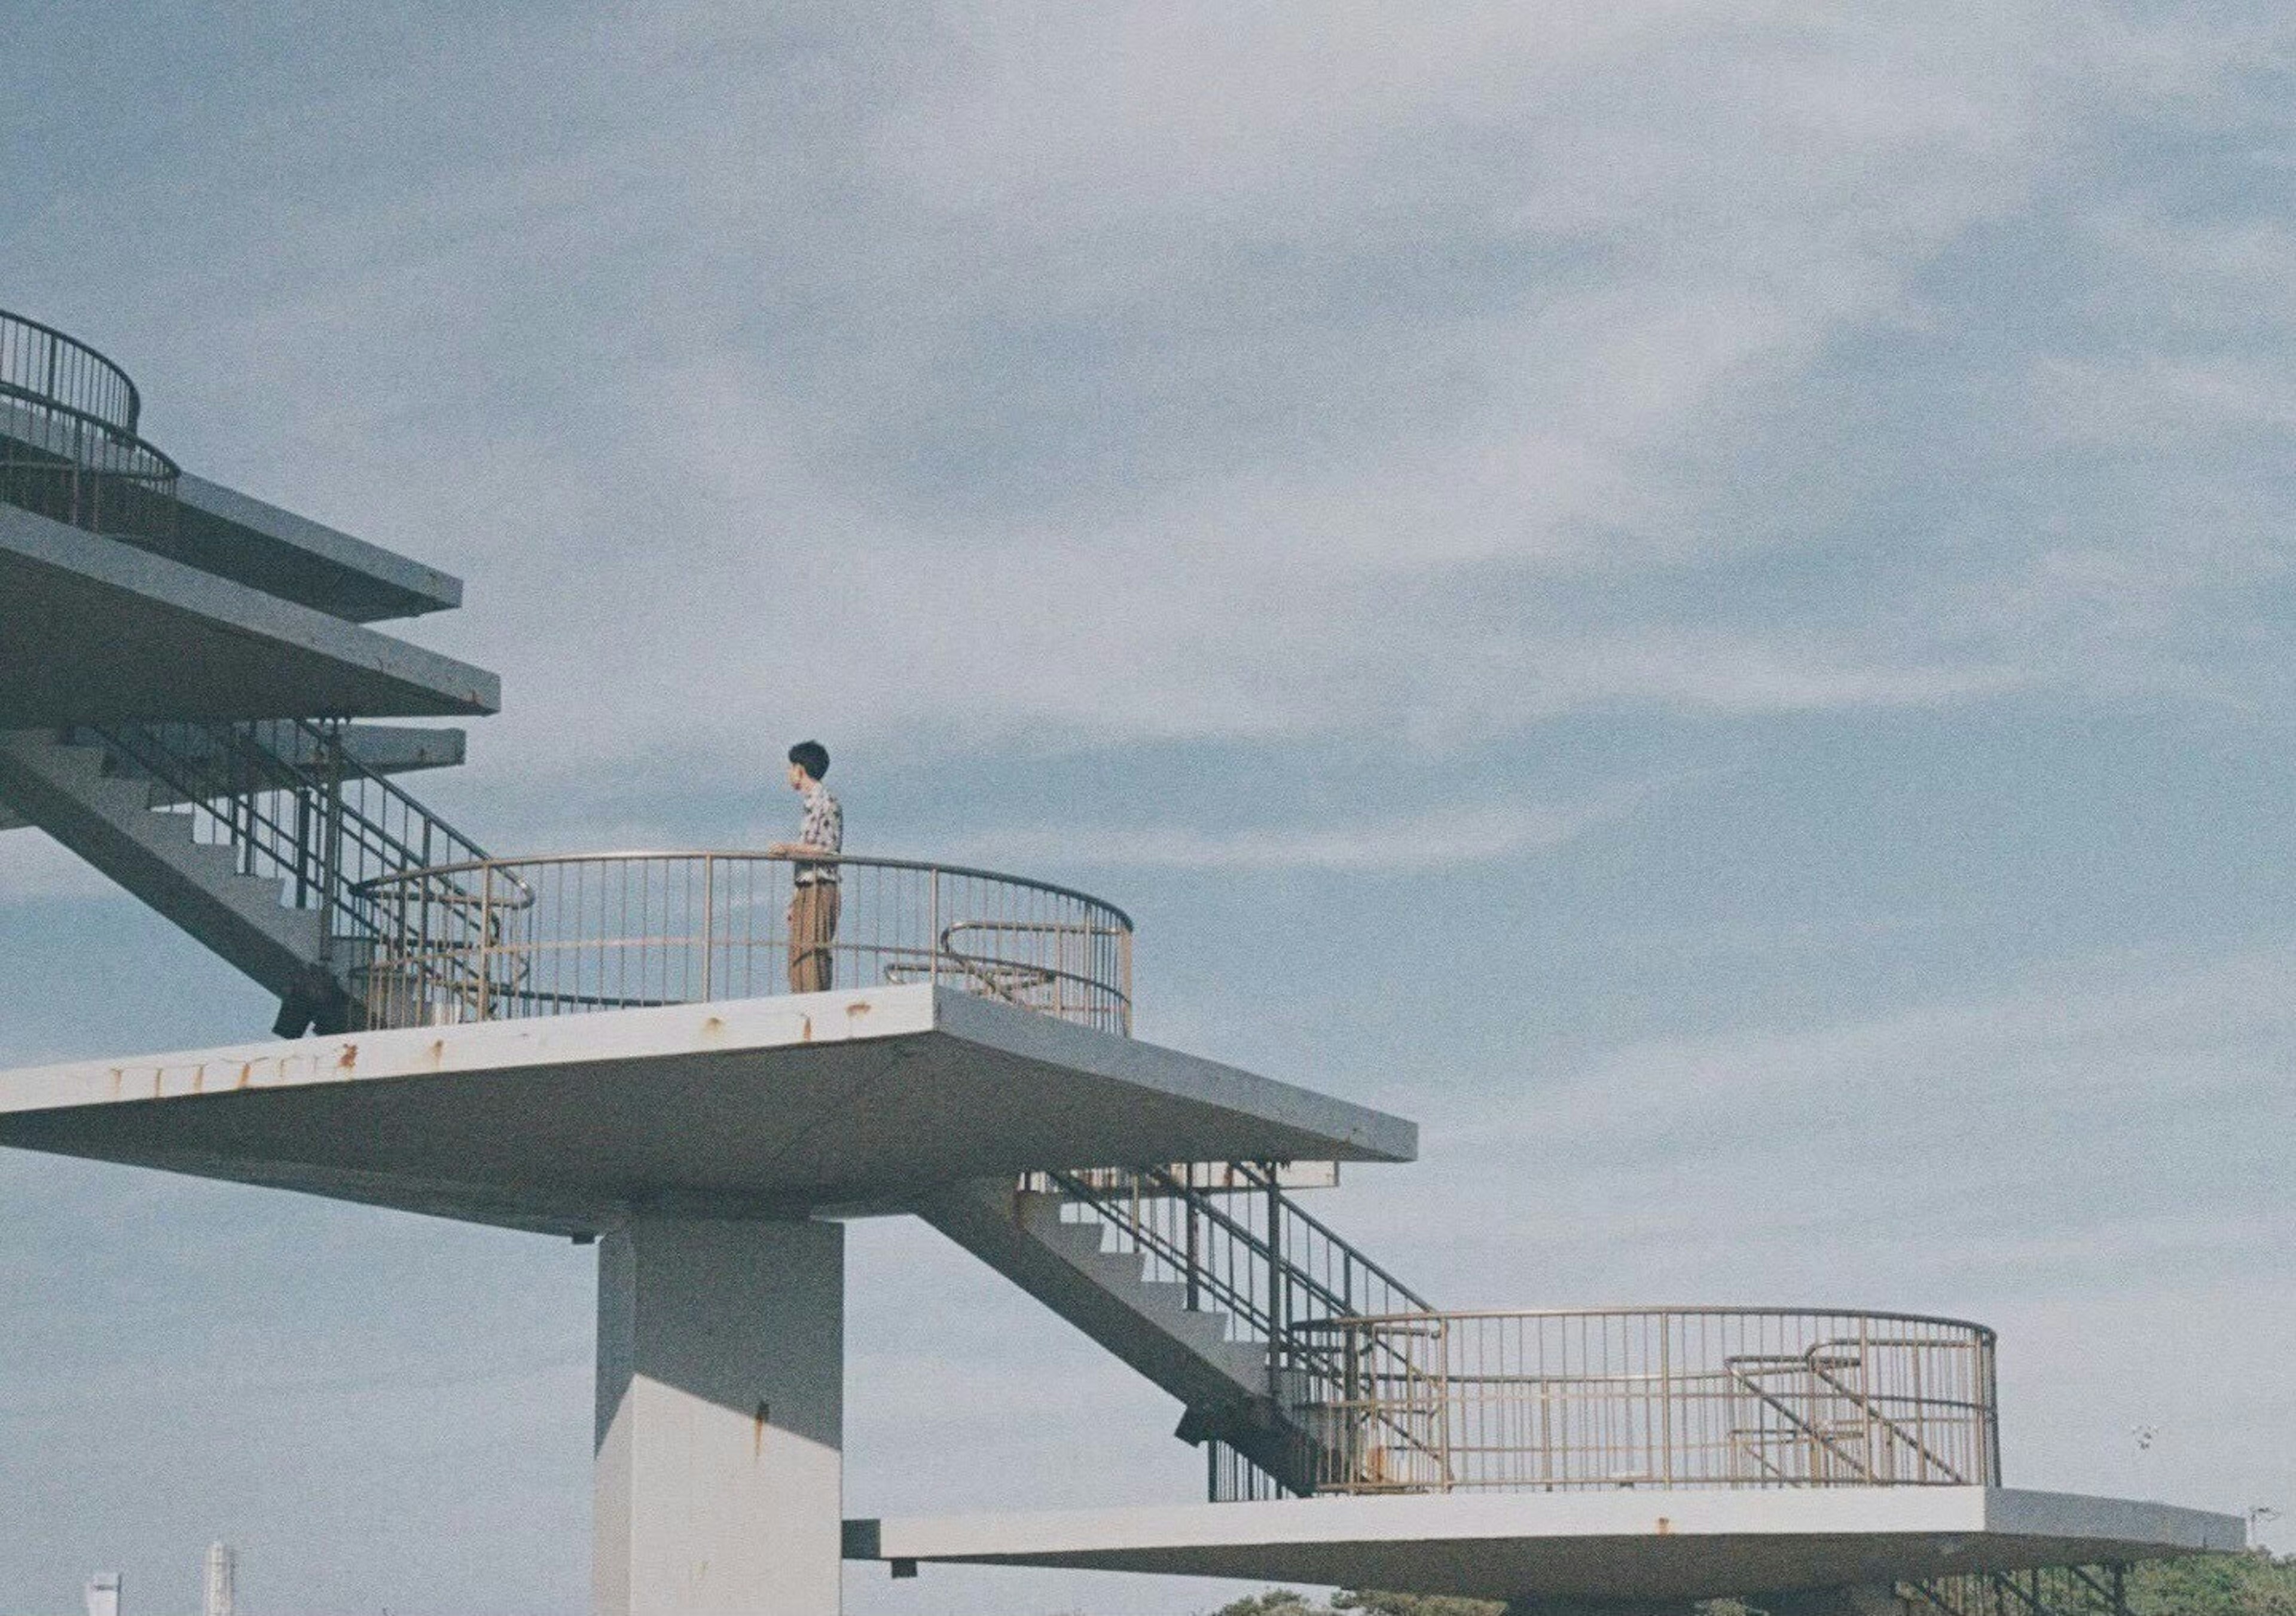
(72, 793)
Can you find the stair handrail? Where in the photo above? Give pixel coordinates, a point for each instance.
(990, 971)
(1291, 1330)
(2091, 1592)
(1873, 1414)
(244, 773)
(1738, 1371)
(270, 769)
(1267, 1181)
(1268, 1317)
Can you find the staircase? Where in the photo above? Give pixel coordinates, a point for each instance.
(255, 837)
(110, 816)
(1196, 1277)
(2064, 1590)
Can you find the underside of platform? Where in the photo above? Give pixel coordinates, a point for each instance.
(93, 630)
(842, 1101)
(1639, 1546)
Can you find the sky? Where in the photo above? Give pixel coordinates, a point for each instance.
(1697, 596)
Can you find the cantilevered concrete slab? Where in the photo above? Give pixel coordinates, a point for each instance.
(95, 630)
(237, 535)
(848, 1101)
(1640, 1546)
(249, 541)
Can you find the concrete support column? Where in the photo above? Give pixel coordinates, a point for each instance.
(719, 1456)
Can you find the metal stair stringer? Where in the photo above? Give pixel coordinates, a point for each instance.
(71, 793)
(1222, 1384)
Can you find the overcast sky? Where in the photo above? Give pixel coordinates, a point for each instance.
(1696, 596)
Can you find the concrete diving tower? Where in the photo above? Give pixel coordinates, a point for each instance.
(184, 669)
(706, 1147)
(601, 1045)
(713, 1149)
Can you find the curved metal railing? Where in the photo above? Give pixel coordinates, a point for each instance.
(1643, 1397)
(68, 447)
(41, 365)
(500, 939)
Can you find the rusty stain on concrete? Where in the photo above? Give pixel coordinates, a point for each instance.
(857, 1007)
(246, 1074)
(1665, 1526)
(348, 1059)
(758, 1431)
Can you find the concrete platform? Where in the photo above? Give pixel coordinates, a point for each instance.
(1648, 1546)
(844, 1103)
(96, 629)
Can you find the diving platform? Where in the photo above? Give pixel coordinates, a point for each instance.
(711, 1150)
(1623, 1551)
(845, 1101)
(597, 1045)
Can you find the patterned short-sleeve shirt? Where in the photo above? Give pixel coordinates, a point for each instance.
(824, 828)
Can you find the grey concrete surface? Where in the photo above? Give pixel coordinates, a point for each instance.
(1651, 1546)
(720, 1433)
(252, 542)
(93, 629)
(239, 537)
(847, 1101)
(109, 821)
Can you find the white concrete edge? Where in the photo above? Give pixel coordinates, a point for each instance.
(721, 1027)
(2042, 1514)
(1376, 1136)
(236, 608)
(1972, 1511)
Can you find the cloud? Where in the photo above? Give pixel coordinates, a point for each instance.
(35, 868)
(2095, 1118)
(1167, 373)
(1410, 843)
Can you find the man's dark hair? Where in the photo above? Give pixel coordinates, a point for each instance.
(811, 757)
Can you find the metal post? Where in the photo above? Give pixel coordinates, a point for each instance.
(1195, 1256)
(303, 848)
(1666, 1396)
(1278, 1302)
(933, 929)
(485, 937)
(1355, 1411)
(709, 921)
(331, 837)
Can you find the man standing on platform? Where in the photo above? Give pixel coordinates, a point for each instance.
(813, 898)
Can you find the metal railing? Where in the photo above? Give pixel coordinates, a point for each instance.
(1649, 1397)
(1236, 1243)
(68, 447)
(292, 805)
(2064, 1590)
(560, 934)
(1239, 1246)
(42, 365)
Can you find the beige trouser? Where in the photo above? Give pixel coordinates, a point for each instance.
(812, 928)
